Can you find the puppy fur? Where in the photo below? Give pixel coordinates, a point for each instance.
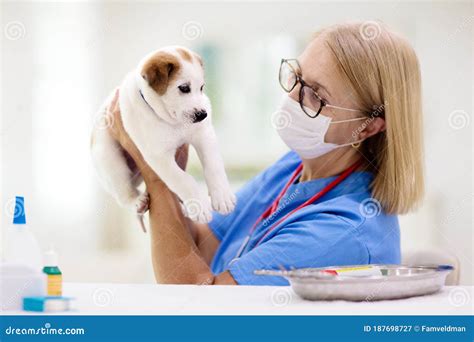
(163, 106)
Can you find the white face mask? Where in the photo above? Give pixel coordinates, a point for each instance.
(303, 134)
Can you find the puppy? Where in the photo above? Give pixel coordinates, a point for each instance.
(163, 106)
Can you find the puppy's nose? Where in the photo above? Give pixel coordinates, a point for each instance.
(199, 115)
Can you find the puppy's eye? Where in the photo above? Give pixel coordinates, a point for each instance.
(202, 88)
(184, 88)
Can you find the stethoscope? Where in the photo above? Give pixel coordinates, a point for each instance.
(274, 206)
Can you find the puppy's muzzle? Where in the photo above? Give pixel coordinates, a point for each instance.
(199, 115)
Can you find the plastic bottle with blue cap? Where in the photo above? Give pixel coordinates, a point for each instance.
(21, 245)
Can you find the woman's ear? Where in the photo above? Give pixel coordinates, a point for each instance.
(375, 126)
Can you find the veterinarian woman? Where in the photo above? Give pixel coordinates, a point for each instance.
(353, 112)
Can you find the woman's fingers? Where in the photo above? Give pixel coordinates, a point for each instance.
(113, 113)
(114, 104)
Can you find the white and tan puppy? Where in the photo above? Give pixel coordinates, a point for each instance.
(163, 106)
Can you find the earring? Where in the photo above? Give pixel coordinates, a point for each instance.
(356, 145)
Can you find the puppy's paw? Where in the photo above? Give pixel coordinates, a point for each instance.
(197, 209)
(142, 203)
(223, 200)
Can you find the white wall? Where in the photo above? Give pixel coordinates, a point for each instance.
(69, 56)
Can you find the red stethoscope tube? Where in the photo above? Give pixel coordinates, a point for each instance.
(274, 206)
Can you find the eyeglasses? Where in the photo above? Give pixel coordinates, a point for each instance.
(309, 100)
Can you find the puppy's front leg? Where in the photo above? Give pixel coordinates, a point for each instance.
(223, 199)
(196, 203)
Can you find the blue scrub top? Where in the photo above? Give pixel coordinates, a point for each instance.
(344, 227)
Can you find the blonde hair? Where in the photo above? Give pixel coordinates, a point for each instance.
(383, 71)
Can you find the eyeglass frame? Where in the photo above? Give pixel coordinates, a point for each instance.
(299, 79)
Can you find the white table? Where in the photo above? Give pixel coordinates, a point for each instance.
(152, 299)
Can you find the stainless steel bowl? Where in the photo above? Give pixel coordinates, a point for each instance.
(395, 281)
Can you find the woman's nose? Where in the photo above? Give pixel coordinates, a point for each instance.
(295, 93)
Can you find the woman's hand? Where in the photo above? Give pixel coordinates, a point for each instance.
(118, 132)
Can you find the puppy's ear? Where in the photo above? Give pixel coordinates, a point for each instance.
(199, 59)
(160, 70)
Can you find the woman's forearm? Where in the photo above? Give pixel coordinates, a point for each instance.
(175, 256)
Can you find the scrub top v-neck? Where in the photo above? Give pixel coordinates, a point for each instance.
(344, 227)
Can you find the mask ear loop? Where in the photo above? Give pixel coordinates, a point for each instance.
(354, 144)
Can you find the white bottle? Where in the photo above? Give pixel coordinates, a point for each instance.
(21, 245)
